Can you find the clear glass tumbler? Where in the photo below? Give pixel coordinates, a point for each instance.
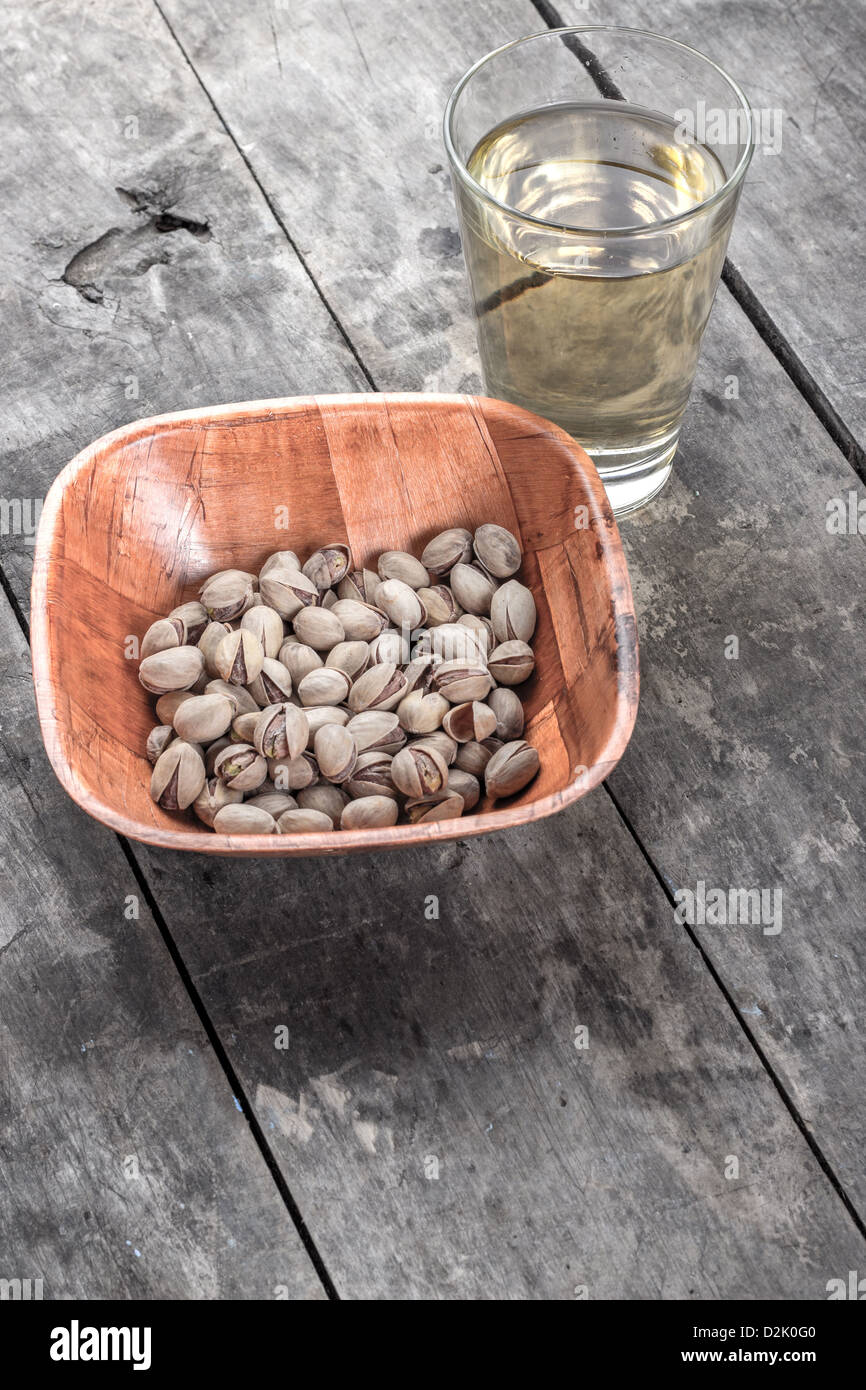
(597, 172)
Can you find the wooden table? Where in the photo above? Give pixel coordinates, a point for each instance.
(208, 202)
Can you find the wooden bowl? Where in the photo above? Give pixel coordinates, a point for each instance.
(133, 525)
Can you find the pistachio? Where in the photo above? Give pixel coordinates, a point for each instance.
(203, 718)
(498, 550)
(455, 642)
(377, 730)
(242, 767)
(362, 585)
(239, 657)
(288, 591)
(158, 740)
(279, 560)
(419, 771)
(511, 663)
(380, 687)
(401, 603)
(371, 775)
(227, 594)
(421, 714)
(463, 784)
(400, 565)
(443, 744)
(440, 605)
(266, 624)
(162, 635)
(299, 660)
(241, 700)
(244, 820)
(303, 822)
(446, 550)
(177, 668)
(473, 756)
(216, 748)
(462, 680)
(275, 803)
(419, 673)
(178, 776)
(427, 809)
(507, 707)
(194, 618)
(320, 715)
(167, 704)
(472, 588)
(281, 731)
(389, 646)
(318, 628)
(272, 685)
(293, 774)
(513, 612)
(212, 797)
(325, 798)
(328, 565)
(208, 643)
(509, 770)
(326, 686)
(369, 813)
(361, 622)
(472, 720)
(482, 630)
(352, 658)
(335, 752)
(243, 728)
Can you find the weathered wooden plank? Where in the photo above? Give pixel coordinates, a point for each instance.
(126, 1168)
(113, 317)
(766, 486)
(797, 239)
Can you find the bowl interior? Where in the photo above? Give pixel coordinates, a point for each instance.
(135, 523)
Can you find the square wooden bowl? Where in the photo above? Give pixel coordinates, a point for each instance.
(133, 525)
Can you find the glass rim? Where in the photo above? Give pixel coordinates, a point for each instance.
(458, 164)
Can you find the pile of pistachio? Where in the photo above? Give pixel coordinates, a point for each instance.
(317, 696)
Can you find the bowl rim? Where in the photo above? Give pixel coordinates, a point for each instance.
(333, 842)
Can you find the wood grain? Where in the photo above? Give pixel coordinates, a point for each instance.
(136, 521)
(127, 1167)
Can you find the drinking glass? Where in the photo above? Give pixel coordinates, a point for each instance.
(597, 172)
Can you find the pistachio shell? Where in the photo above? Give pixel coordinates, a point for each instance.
(498, 550)
(327, 686)
(455, 642)
(377, 730)
(194, 618)
(243, 729)
(371, 775)
(361, 622)
(352, 658)
(275, 803)
(242, 767)
(203, 718)
(320, 715)
(459, 681)
(158, 740)
(362, 585)
(419, 772)
(401, 603)
(472, 720)
(482, 630)
(288, 591)
(449, 548)
(400, 565)
(161, 636)
(241, 700)
(272, 685)
(281, 731)
(227, 594)
(512, 612)
(472, 588)
(303, 822)
(328, 565)
(299, 659)
(508, 709)
(239, 657)
(444, 745)
(473, 756)
(335, 752)
(419, 673)
(380, 687)
(369, 813)
(167, 704)
(212, 797)
(440, 605)
(426, 809)
(244, 820)
(511, 663)
(390, 646)
(208, 643)
(216, 748)
(267, 625)
(293, 774)
(421, 714)
(511, 768)
(174, 669)
(279, 560)
(178, 776)
(324, 797)
(464, 784)
(319, 628)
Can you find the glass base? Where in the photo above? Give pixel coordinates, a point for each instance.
(634, 477)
